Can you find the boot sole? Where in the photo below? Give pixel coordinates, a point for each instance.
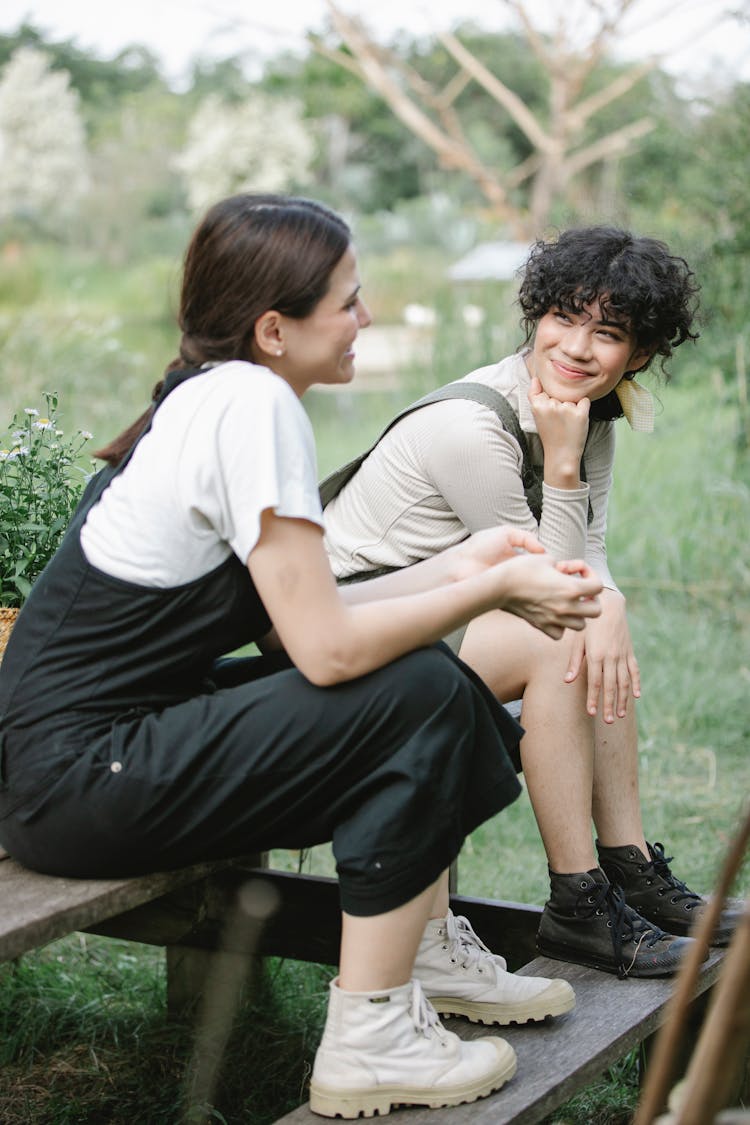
(556, 999)
(580, 957)
(369, 1101)
(679, 928)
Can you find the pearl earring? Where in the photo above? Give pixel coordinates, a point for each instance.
(279, 351)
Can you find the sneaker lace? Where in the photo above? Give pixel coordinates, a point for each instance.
(424, 1017)
(466, 946)
(626, 924)
(660, 866)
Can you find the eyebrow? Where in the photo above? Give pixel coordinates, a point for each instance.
(605, 322)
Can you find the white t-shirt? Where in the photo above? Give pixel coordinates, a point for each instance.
(224, 446)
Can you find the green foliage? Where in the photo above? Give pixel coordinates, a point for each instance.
(41, 479)
(98, 81)
(367, 159)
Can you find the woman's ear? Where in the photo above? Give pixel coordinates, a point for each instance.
(640, 360)
(268, 334)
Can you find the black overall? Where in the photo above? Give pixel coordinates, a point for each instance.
(128, 745)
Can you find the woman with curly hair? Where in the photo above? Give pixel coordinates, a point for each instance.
(599, 305)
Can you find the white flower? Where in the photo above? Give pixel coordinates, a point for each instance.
(59, 433)
(19, 451)
(261, 144)
(32, 413)
(86, 435)
(43, 424)
(42, 140)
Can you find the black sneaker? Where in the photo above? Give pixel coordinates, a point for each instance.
(650, 888)
(587, 921)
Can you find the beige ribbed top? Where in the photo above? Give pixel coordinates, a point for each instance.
(451, 468)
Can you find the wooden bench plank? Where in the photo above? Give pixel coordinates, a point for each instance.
(558, 1059)
(307, 926)
(37, 909)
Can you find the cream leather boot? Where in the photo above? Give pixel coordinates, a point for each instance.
(382, 1049)
(462, 977)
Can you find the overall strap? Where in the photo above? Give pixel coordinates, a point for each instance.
(474, 392)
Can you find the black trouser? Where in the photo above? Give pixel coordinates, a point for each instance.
(395, 767)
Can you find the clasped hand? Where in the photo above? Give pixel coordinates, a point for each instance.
(551, 596)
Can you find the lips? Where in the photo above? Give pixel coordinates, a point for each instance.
(570, 372)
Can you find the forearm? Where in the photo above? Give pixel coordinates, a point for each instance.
(563, 525)
(331, 639)
(368, 633)
(438, 571)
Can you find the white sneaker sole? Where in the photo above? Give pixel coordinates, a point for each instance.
(556, 999)
(369, 1101)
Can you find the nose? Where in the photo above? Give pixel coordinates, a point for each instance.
(577, 342)
(363, 314)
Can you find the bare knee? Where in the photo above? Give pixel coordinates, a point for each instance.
(509, 654)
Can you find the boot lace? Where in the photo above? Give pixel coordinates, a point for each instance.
(659, 865)
(466, 947)
(424, 1017)
(625, 923)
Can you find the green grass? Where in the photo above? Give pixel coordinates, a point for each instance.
(83, 1038)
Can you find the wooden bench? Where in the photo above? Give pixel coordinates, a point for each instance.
(186, 910)
(159, 909)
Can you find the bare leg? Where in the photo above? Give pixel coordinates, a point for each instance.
(576, 768)
(616, 801)
(377, 952)
(442, 900)
(557, 751)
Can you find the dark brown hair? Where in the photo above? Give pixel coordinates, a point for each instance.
(635, 279)
(251, 253)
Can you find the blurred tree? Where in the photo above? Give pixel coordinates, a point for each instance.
(715, 194)
(365, 158)
(261, 144)
(42, 144)
(225, 78)
(559, 133)
(99, 82)
(137, 201)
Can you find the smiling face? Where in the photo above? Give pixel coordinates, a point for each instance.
(583, 354)
(319, 348)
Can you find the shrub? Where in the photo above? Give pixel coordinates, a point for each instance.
(42, 475)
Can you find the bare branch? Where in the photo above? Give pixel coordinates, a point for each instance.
(337, 56)
(579, 114)
(611, 145)
(453, 152)
(523, 171)
(502, 94)
(456, 86)
(535, 40)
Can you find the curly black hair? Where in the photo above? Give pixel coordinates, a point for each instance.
(637, 279)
